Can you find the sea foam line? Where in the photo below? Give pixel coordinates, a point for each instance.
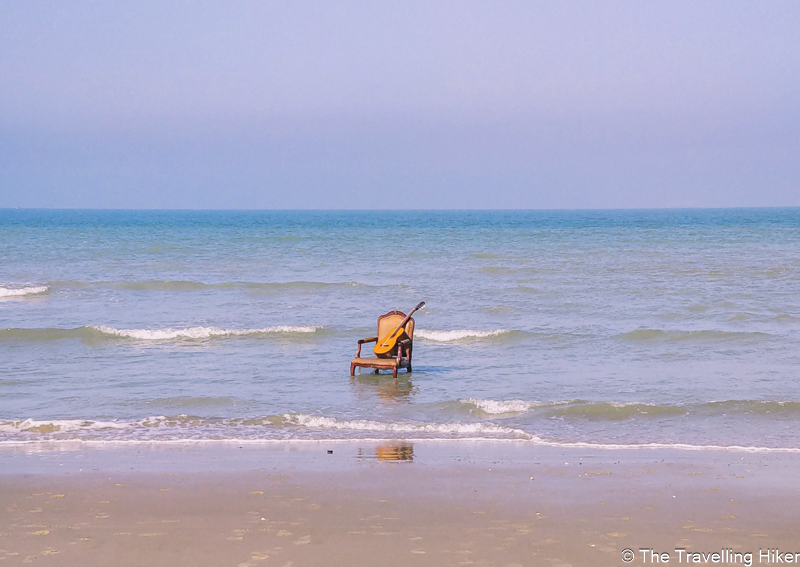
(199, 332)
(498, 407)
(185, 422)
(59, 425)
(322, 422)
(449, 336)
(456, 431)
(23, 291)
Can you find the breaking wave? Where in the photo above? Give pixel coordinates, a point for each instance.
(461, 334)
(617, 411)
(199, 332)
(499, 407)
(44, 426)
(92, 332)
(450, 429)
(23, 291)
(290, 426)
(611, 411)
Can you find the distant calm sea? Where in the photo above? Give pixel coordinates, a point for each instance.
(676, 327)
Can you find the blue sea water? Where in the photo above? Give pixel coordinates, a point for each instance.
(673, 327)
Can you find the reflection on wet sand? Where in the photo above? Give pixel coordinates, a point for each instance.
(391, 452)
(387, 389)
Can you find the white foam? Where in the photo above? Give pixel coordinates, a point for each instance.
(58, 425)
(449, 336)
(497, 407)
(33, 433)
(198, 332)
(321, 422)
(23, 291)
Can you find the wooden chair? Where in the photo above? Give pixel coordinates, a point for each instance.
(400, 357)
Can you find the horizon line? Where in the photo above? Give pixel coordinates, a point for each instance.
(610, 209)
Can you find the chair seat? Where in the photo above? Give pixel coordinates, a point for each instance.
(375, 362)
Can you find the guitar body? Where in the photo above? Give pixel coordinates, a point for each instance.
(385, 345)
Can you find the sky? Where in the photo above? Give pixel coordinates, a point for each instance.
(407, 105)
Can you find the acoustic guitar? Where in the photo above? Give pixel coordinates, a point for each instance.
(387, 343)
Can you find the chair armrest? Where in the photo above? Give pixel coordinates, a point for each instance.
(362, 341)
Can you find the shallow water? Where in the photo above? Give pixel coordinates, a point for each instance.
(674, 327)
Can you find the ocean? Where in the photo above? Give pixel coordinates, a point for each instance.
(630, 328)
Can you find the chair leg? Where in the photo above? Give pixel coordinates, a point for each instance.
(377, 371)
(408, 368)
(352, 370)
(394, 372)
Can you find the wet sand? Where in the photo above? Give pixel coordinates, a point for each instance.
(426, 504)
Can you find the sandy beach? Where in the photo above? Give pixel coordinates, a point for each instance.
(399, 503)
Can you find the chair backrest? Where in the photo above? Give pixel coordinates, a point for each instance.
(390, 320)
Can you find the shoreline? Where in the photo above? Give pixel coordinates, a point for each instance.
(30, 446)
(23, 458)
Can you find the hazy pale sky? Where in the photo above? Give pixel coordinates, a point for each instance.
(306, 104)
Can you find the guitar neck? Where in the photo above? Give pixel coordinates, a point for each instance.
(403, 324)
